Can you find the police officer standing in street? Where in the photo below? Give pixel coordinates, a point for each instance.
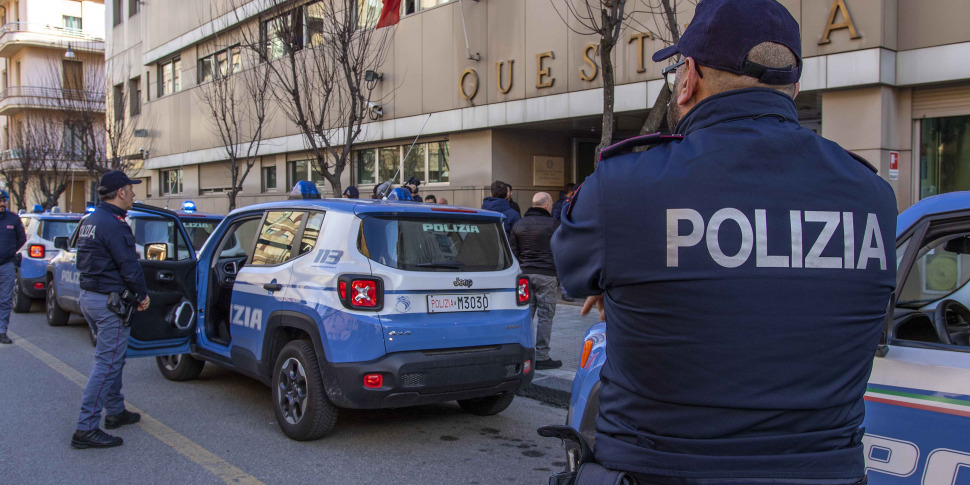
(745, 297)
(108, 264)
(11, 238)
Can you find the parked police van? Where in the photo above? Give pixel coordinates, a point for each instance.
(343, 303)
(918, 397)
(41, 227)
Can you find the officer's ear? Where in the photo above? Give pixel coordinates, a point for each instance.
(688, 82)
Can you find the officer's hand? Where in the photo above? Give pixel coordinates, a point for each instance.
(144, 304)
(598, 300)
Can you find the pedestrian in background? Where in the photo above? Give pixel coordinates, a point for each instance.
(430, 199)
(12, 236)
(530, 245)
(351, 192)
(564, 197)
(498, 202)
(442, 200)
(512, 203)
(108, 264)
(412, 185)
(734, 356)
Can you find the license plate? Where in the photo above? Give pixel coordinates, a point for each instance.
(457, 303)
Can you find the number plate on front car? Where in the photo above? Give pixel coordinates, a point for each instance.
(457, 303)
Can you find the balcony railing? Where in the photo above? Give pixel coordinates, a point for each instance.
(48, 29)
(17, 98)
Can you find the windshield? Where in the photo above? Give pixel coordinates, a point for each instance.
(434, 244)
(198, 230)
(51, 229)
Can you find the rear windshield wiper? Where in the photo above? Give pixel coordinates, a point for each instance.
(441, 264)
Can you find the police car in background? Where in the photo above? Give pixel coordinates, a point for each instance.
(918, 398)
(62, 279)
(343, 303)
(41, 228)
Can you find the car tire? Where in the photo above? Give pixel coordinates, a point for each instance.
(21, 302)
(487, 406)
(300, 401)
(56, 316)
(181, 367)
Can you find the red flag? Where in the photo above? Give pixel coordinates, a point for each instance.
(390, 14)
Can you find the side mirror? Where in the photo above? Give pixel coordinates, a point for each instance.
(60, 242)
(156, 251)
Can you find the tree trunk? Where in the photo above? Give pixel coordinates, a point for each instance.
(658, 114)
(609, 94)
(232, 198)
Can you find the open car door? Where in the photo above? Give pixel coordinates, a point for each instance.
(169, 262)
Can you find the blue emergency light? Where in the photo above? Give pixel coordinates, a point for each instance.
(188, 206)
(38, 208)
(304, 190)
(90, 208)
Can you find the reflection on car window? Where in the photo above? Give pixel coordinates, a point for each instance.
(276, 238)
(148, 230)
(941, 267)
(238, 241)
(51, 229)
(311, 232)
(199, 230)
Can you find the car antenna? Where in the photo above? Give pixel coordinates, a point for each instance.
(385, 188)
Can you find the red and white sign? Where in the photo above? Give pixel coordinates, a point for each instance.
(893, 165)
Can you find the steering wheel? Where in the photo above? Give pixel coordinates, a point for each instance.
(952, 322)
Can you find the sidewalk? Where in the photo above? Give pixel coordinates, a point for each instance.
(568, 329)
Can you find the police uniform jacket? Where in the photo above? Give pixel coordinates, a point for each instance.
(106, 254)
(12, 236)
(744, 299)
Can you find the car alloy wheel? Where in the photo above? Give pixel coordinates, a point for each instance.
(292, 390)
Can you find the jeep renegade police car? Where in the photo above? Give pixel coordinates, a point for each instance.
(918, 398)
(41, 229)
(344, 303)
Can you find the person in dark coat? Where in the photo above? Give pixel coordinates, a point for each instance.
(498, 202)
(530, 244)
(12, 237)
(508, 196)
(564, 196)
(745, 295)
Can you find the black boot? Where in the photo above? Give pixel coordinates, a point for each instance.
(4, 339)
(94, 439)
(119, 420)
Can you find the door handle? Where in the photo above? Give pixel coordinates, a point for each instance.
(165, 276)
(273, 286)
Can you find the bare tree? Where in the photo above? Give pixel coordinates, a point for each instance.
(605, 19)
(317, 55)
(23, 159)
(237, 108)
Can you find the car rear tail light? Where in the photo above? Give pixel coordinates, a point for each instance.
(587, 348)
(39, 285)
(36, 251)
(527, 366)
(359, 292)
(373, 381)
(522, 290)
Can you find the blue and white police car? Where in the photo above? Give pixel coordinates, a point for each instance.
(918, 397)
(343, 303)
(60, 275)
(41, 227)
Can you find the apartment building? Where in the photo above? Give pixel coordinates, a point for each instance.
(504, 89)
(51, 100)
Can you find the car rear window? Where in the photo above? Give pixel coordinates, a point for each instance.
(435, 243)
(51, 229)
(198, 230)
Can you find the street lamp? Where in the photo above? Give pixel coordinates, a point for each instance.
(70, 52)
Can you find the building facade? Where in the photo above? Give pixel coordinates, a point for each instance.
(51, 100)
(505, 89)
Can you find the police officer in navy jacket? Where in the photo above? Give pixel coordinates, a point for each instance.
(108, 264)
(745, 298)
(12, 237)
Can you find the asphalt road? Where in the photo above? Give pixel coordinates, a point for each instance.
(221, 428)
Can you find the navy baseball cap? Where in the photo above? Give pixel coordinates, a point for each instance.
(352, 192)
(115, 180)
(724, 31)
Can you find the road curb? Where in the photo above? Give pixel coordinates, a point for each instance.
(550, 387)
